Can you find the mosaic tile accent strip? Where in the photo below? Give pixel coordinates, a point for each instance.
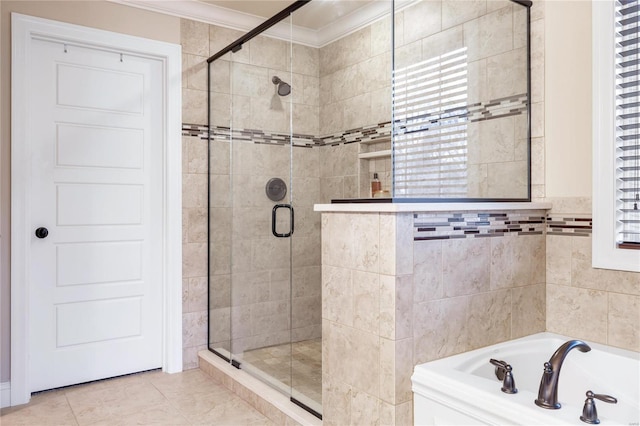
(498, 108)
(378, 132)
(373, 133)
(381, 132)
(444, 226)
(569, 226)
(480, 111)
(256, 136)
(194, 130)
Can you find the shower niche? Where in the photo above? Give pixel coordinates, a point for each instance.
(441, 116)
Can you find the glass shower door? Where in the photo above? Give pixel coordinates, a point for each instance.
(306, 278)
(264, 245)
(262, 217)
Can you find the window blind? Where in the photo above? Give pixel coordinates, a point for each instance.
(627, 73)
(430, 127)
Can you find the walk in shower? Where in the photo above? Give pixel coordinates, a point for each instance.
(302, 112)
(264, 251)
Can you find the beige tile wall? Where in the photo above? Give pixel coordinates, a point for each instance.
(391, 318)
(390, 303)
(355, 83)
(494, 33)
(340, 174)
(195, 49)
(194, 240)
(260, 306)
(537, 102)
(355, 91)
(582, 302)
(596, 305)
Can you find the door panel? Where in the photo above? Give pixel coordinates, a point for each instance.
(96, 263)
(95, 146)
(100, 88)
(96, 283)
(98, 204)
(97, 321)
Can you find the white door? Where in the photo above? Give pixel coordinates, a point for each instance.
(95, 297)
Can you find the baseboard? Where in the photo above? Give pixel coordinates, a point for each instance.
(5, 394)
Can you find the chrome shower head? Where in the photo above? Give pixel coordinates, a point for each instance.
(283, 88)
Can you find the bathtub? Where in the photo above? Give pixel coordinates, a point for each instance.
(464, 390)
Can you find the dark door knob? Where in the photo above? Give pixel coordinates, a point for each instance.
(42, 232)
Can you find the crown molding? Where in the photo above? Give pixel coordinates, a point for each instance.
(353, 21)
(358, 19)
(228, 18)
(222, 17)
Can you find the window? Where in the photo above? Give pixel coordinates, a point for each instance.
(627, 123)
(430, 131)
(616, 118)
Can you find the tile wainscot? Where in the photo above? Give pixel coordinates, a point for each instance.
(407, 283)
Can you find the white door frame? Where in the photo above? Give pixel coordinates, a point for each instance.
(24, 29)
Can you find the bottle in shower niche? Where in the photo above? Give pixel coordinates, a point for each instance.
(376, 185)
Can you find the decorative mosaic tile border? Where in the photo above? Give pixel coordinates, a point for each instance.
(195, 130)
(498, 108)
(377, 132)
(445, 226)
(381, 132)
(256, 136)
(569, 226)
(433, 226)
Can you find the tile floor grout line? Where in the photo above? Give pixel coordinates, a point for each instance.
(186, 384)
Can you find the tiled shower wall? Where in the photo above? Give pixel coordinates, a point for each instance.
(241, 240)
(257, 263)
(585, 289)
(194, 246)
(493, 35)
(195, 49)
(355, 91)
(344, 85)
(259, 274)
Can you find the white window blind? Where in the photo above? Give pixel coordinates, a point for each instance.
(627, 97)
(430, 127)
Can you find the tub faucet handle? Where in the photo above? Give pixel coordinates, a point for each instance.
(589, 412)
(503, 372)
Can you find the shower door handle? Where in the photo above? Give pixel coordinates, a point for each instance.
(274, 216)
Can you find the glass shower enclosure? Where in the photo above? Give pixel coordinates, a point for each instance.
(432, 98)
(264, 237)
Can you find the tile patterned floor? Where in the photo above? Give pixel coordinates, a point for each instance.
(151, 398)
(299, 364)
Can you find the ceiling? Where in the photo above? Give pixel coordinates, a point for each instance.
(263, 8)
(315, 15)
(316, 24)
